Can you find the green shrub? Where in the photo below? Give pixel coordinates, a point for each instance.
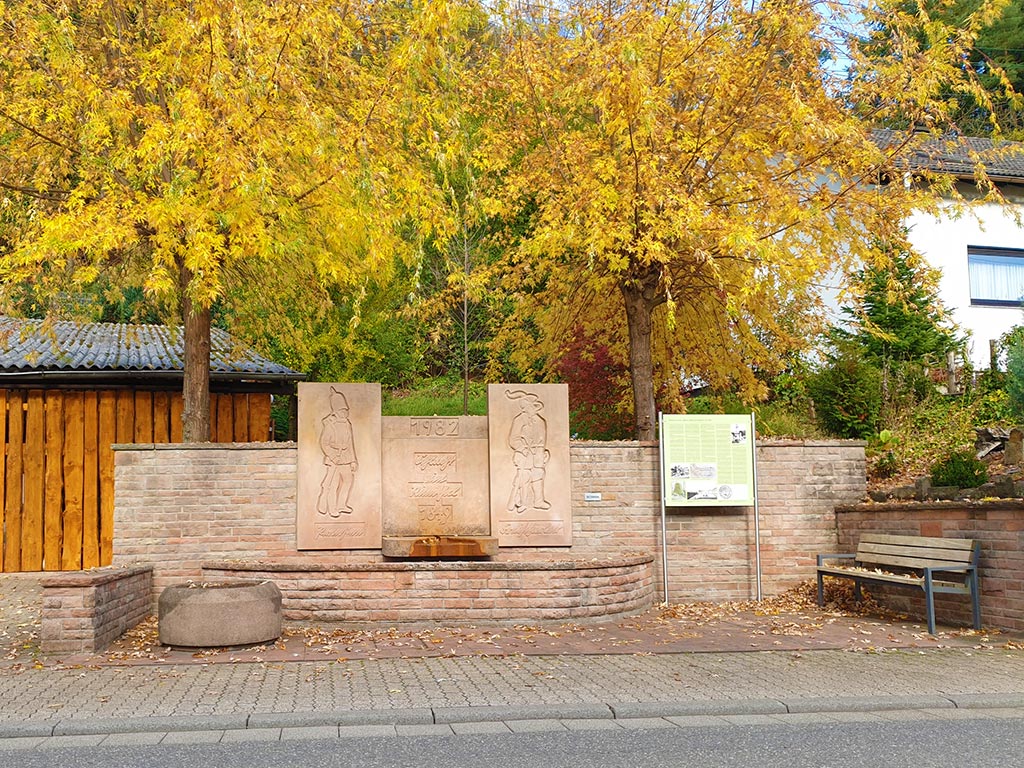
(442, 396)
(775, 420)
(1015, 377)
(883, 448)
(716, 402)
(961, 469)
(886, 465)
(993, 408)
(847, 395)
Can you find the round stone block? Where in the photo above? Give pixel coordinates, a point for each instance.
(216, 615)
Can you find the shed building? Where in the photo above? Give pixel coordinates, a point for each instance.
(69, 390)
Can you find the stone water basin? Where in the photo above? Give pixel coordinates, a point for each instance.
(214, 615)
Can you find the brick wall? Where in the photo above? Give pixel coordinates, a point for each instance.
(85, 611)
(179, 506)
(997, 524)
(438, 591)
(175, 508)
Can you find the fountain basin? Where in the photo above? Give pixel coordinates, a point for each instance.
(221, 613)
(452, 592)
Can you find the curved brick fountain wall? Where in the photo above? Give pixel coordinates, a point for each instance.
(414, 592)
(178, 507)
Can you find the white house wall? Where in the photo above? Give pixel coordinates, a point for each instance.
(944, 243)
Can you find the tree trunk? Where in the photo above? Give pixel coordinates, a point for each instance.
(196, 387)
(639, 307)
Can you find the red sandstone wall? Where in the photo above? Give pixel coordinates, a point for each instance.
(997, 524)
(85, 611)
(179, 506)
(437, 592)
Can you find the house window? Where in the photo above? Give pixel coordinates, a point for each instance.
(996, 276)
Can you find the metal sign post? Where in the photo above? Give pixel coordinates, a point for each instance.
(757, 516)
(661, 496)
(706, 461)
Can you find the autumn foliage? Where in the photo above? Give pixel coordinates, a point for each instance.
(595, 391)
(684, 173)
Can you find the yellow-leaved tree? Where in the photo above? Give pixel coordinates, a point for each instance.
(202, 147)
(695, 168)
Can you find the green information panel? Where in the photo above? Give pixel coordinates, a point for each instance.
(708, 460)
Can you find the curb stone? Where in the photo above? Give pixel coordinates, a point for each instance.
(375, 720)
(87, 726)
(503, 713)
(867, 703)
(688, 708)
(988, 700)
(420, 716)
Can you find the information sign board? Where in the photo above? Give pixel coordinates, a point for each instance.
(707, 460)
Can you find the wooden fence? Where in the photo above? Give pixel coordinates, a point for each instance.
(57, 468)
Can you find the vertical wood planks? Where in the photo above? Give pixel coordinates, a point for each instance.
(125, 432)
(240, 407)
(225, 420)
(259, 418)
(143, 417)
(53, 494)
(74, 448)
(3, 461)
(33, 530)
(161, 417)
(107, 436)
(90, 480)
(13, 496)
(57, 466)
(177, 410)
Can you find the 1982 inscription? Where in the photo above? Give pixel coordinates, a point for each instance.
(434, 427)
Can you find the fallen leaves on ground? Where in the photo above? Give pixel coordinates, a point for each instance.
(20, 607)
(787, 621)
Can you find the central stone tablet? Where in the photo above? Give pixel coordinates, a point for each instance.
(436, 479)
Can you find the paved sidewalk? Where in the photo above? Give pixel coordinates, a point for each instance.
(431, 690)
(393, 682)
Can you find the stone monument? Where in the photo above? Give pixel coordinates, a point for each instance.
(339, 473)
(436, 470)
(529, 464)
(433, 486)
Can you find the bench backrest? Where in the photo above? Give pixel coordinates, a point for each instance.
(916, 551)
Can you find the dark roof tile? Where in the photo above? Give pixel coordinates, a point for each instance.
(38, 345)
(959, 155)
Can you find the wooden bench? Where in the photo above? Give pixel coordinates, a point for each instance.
(914, 562)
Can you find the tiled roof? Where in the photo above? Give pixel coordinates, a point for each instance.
(958, 155)
(37, 345)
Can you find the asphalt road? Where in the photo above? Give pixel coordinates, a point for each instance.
(910, 743)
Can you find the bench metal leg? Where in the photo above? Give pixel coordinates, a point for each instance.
(929, 599)
(856, 591)
(821, 591)
(975, 598)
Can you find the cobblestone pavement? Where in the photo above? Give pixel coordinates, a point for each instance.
(247, 689)
(51, 696)
(20, 601)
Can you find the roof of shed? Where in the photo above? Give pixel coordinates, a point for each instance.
(34, 346)
(959, 155)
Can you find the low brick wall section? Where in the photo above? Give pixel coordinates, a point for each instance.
(179, 506)
(85, 611)
(997, 524)
(451, 592)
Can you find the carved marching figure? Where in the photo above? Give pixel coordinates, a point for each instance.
(527, 437)
(339, 450)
